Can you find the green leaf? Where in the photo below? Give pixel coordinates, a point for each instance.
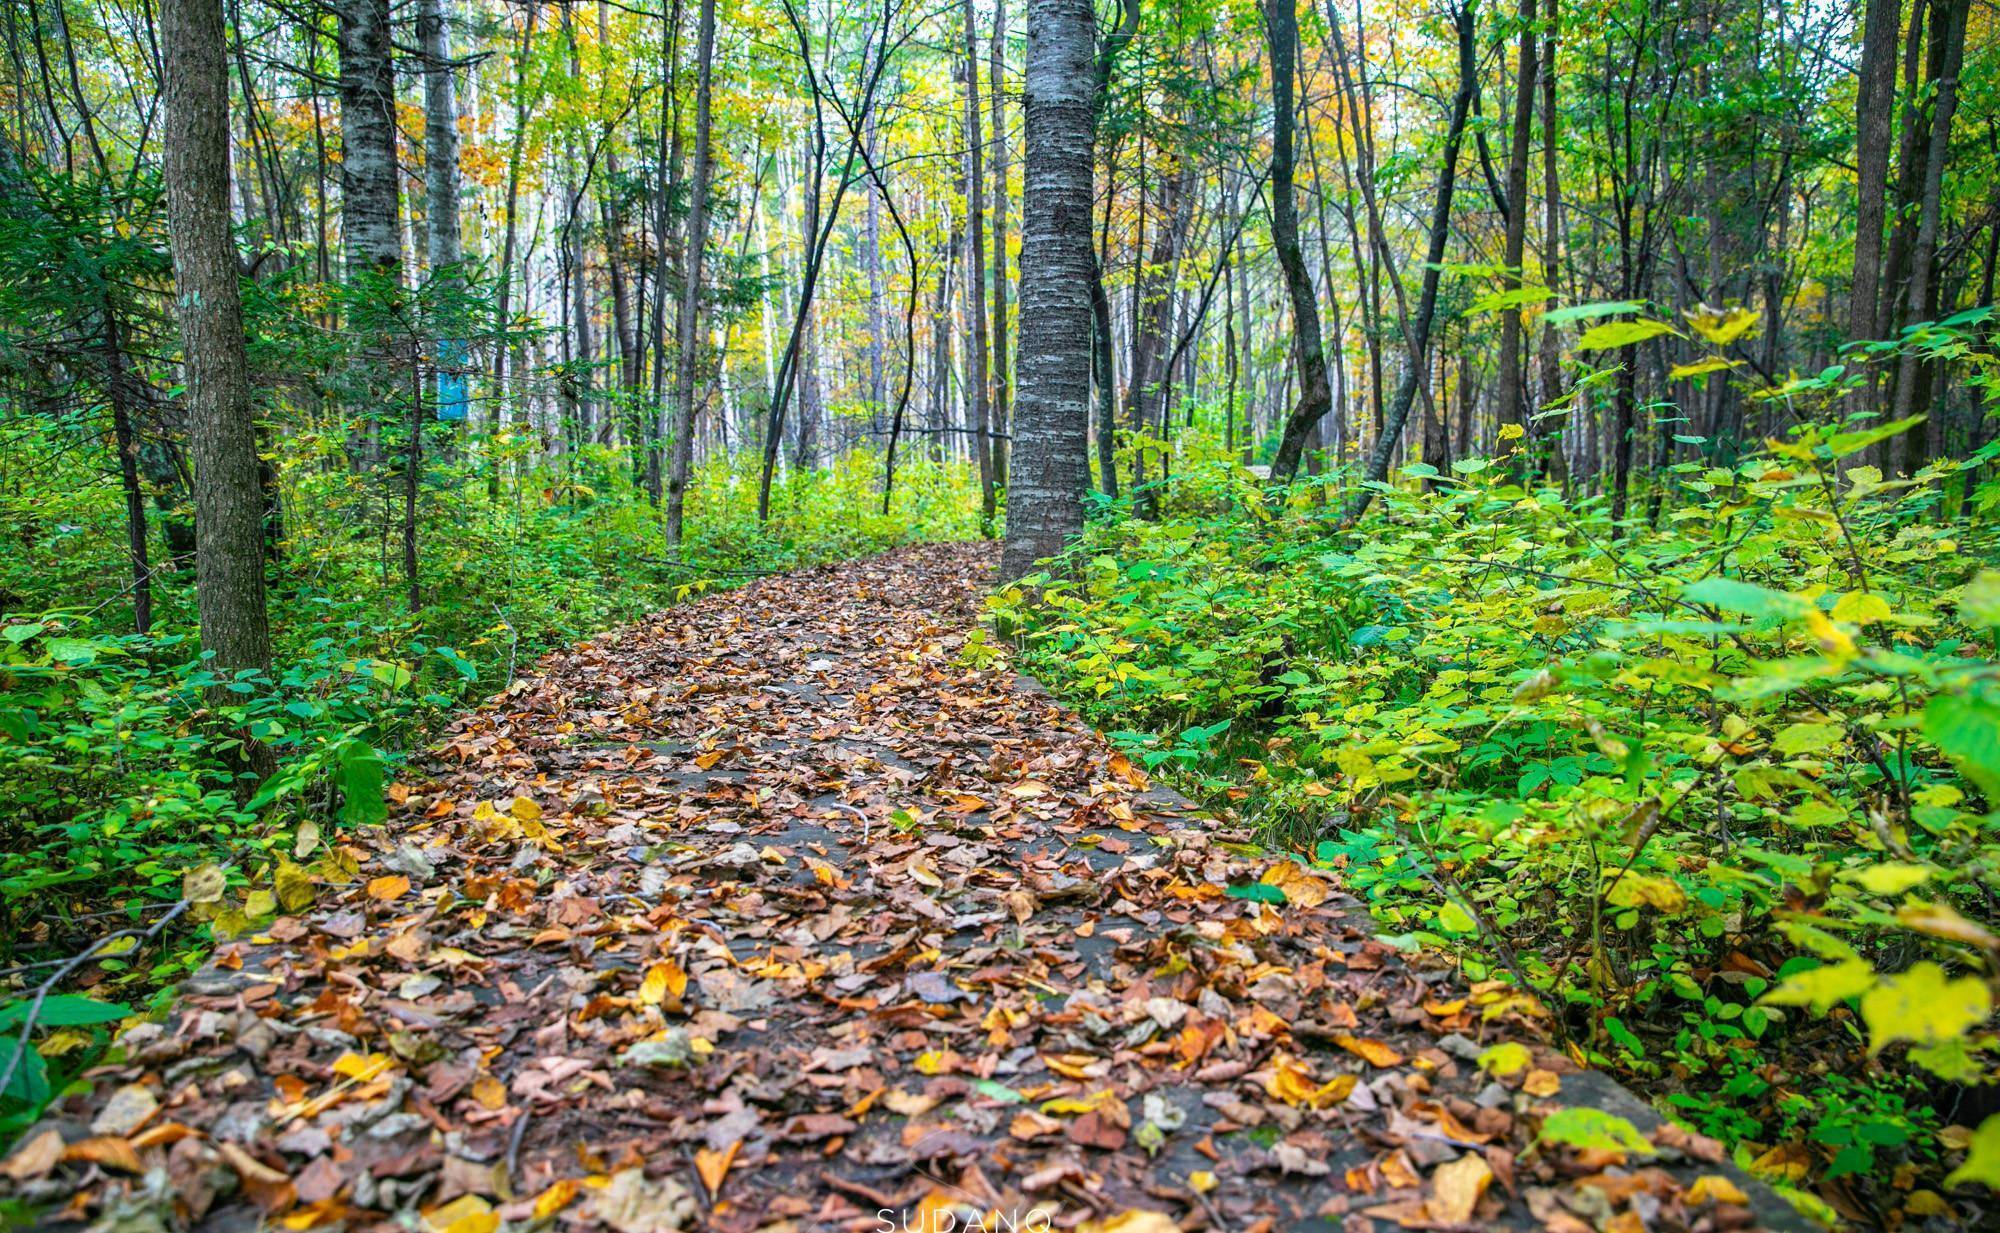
(1967, 728)
(1808, 738)
(64, 1010)
(30, 1084)
(359, 774)
(1454, 919)
(1821, 987)
(1982, 1163)
(1747, 598)
(1923, 1006)
(1586, 312)
(1843, 444)
(1891, 877)
(1979, 601)
(1594, 1129)
(1613, 334)
(1257, 892)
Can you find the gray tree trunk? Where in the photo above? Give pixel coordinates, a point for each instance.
(688, 323)
(1513, 372)
(1281, 26)
(222, 434)
(996, 87)
(1050, 467)
(977, 407)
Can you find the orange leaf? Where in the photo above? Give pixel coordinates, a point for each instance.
(394, 886)
(714, 1166)
(1375, 1052)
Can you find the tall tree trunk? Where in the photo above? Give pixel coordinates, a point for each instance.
(1514, 401)
(1045, 503)
(978, 407)
(1281, 29)
(686, 327)
(1416, 371)
(229, 504)
(1874, 113)
(878, 300)
(1913, 373)
(441, 194)
(503, 306)
(996, 90)
(1549, 452)
(370, 215)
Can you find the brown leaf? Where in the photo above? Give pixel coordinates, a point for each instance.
(35, 1156)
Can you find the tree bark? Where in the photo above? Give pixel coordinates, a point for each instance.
(229, 504)
(1045, 503)
(1514, 402)
(1281, 29)
(1417, 371)
(1874, 112)
(370, 213)
(977, 406)
(686, 327)
(996, 87)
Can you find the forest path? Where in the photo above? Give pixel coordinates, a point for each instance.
(784, 910)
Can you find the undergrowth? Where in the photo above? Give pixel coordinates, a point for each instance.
(1719, 792)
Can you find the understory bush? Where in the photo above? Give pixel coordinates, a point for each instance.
(1717, 793)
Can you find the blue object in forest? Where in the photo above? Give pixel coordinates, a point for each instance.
(453, 396)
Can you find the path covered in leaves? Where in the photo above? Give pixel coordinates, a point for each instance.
(788, 910)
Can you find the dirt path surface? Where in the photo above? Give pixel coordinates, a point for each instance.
(786, 910)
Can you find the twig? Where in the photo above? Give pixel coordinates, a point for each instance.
(56, 977)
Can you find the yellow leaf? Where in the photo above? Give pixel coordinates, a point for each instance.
(1713, 363)
(1201, 1181)
(1456, 1188)
(1923, 1006)
(465, 1214)
(362, 1069)
(664, 979)
(1300, 887)
(556, 1197)
(525, 809)
(1861, 608)
(1292, 1082)
(1714, 1186)
(1723, 326)
(387, 889)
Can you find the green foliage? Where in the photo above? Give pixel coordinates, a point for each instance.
(1724, 787)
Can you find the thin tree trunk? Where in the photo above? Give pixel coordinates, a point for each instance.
(996, 91)
(1415, 374)
(1514, 402)
(978, 407)
(685, 331)
(1281, 29)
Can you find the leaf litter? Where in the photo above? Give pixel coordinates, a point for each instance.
(796, 908)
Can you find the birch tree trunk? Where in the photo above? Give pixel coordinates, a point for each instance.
(370, 214)
(1045, 502)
